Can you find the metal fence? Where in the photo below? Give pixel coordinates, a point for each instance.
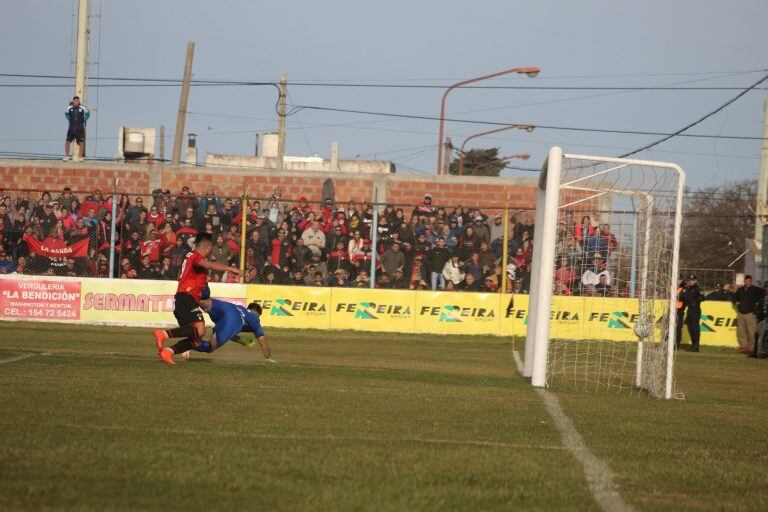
(289, 241)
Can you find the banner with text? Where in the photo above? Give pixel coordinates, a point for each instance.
(39, 299)
(457, 312)
(141, 302)
(293, 306)
(373, 310)
(137, 302)
(614, 319)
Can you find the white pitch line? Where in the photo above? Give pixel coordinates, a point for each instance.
(16, 358)
(598, 474)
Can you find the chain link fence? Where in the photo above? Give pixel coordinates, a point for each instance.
(292, 241)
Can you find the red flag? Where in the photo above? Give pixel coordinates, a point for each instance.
(53, 248)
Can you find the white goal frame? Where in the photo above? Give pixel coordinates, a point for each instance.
(544, 254)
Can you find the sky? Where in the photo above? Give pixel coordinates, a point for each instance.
(693, 43)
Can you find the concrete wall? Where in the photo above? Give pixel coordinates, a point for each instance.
(296, 163)
(84, 177)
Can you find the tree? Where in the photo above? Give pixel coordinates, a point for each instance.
(479, 162)
(716, 223)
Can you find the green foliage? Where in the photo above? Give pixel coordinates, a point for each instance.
(479, 162)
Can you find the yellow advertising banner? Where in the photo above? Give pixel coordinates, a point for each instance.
(457, 312)
(513, 319)
(293, 306)
(613, 319)
(140, 302)
(718, 324)
(373, 310)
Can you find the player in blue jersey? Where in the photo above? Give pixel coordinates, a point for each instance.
(229, 321)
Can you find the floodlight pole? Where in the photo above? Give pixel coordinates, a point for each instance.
(527, 127)
(530, 71)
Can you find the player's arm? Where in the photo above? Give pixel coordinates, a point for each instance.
(220, 267)
(265, 350)
(258, 331)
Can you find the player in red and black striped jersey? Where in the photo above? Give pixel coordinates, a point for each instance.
(193, 278)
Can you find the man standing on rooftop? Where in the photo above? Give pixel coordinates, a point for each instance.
(77, 115)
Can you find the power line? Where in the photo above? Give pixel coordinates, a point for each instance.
(537, 126)
(679, 132)
(172, 82)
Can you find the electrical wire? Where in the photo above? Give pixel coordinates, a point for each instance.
(170, 82)
(698, 121)
(537, 126)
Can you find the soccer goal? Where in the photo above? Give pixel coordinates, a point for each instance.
(602, 311)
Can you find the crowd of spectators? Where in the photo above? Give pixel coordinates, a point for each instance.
(295, 242)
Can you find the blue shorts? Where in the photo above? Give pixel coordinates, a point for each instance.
(227, 328)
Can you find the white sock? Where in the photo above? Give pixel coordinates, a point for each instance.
(169, 349)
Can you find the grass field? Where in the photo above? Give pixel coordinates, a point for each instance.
(92, 420)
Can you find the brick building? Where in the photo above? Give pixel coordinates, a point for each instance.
(84, 177)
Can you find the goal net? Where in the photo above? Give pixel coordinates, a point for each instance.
(602, 310)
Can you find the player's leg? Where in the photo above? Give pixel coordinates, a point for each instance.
(246, 342)
(68, 143)
(225, 330)
(191, 328)
(692, 322)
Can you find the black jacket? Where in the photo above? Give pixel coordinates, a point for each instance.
(691, 297)
(761, 310)
(746, 299)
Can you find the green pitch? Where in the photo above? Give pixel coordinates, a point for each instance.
(92, 420)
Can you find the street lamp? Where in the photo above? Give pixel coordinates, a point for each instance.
(529, 71)
(522, 156)
(527, 127)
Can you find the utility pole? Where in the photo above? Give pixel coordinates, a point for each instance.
(762, 197)
(334, 156)
(256, 148)
(281, 122)
(81, 62)
(182, 117)
(162, 143)
(447, 156)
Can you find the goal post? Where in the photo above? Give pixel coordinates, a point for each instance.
(602, 311)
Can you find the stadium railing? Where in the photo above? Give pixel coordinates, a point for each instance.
(354, 244)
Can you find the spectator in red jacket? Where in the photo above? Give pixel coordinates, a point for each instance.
(152, 247)
(583, 228)
(95, 201)
(155, 217)
(304, 207)
(565, 276)
(281, 250)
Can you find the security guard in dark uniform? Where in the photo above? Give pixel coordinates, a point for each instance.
(692, 298)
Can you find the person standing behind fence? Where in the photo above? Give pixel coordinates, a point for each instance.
(761, 340)
(692, 299)
(77, 115)
(746, 299)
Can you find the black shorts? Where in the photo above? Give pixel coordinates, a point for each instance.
(187, 310)
(77, 134)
